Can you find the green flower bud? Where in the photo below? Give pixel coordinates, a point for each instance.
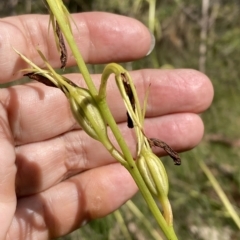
(155, 177)
(83, 106)
(147, 176)
(153, 173)
(87, 113)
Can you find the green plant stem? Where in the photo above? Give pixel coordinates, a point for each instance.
(119, 71)
(59, 14)
(167, 210)
(132, 168)
(131, 165)
(220, 193)
(59, 11)
(121, 223)
(144, 220)
(151, 16)
(57, 7)
(167, 230)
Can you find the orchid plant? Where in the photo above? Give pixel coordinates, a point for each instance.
(90, 109)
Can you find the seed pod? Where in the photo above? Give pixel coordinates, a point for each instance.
(154, 174)
(155, 177)
(86, 112)
(147, 177)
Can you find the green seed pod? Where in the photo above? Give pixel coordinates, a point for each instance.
(155, 177)
(154, 174)
(87, 114)
(147, 177)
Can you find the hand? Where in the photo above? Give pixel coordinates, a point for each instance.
(53, 177)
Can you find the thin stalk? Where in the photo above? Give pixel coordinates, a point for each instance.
(220, 193)
(151, 16)
(167, 230)
(134, 209)
(117, 214)
(114, 68)
(57, 9)
(131, 167)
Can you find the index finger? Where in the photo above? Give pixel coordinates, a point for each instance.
(101, 38)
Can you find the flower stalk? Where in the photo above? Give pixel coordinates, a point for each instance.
(91, 111)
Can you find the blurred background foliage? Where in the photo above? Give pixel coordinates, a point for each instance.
(199, 34)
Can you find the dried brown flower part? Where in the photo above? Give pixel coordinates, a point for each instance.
(129, 93)
(154, 142)
(62, 46)
(40, 78)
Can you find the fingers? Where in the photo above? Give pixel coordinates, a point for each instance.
(74, 152)
(37, 112)
(101, 37)
(70, 204)
(7, 175)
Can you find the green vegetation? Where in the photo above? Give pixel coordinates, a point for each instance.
(198, 211)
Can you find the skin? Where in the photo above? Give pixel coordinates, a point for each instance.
(53, 177)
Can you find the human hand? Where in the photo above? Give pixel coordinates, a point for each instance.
(53, 177)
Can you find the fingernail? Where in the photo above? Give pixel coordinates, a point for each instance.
(152, 45)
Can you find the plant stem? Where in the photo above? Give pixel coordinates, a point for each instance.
(132, 168)
(117, 214)
(220, 193)
(167, 230)
(151, 16)
(135, 210)
(57, 9)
